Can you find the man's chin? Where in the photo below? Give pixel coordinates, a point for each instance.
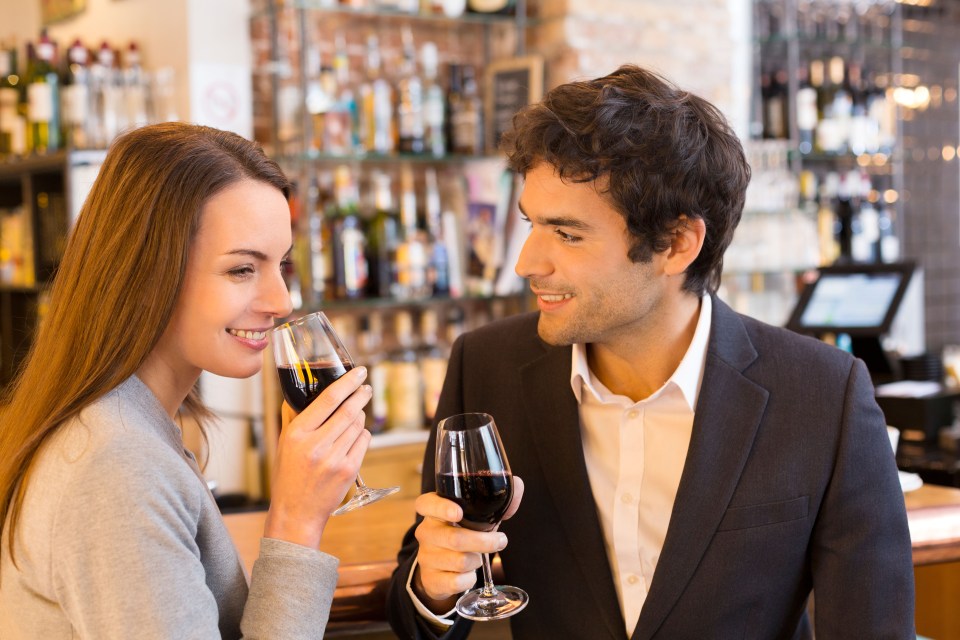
(552, 335)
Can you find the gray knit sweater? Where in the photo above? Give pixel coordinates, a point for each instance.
(120, 538)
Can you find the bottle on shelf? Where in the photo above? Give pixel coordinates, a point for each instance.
(466, 111)
(43, 99)
(382, 238)
(377, 131)
(370, 354)
(411, 125)
(411, 282)
(404, 393)
(134, 87)
(349, 244)
(806, 111)
(775, 116)
(438, 271)
(13, 125)
(434, 103)
(340, 126)
(434, 355)
(75, 96)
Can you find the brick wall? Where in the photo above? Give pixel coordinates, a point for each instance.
(931, 210)
(701, 45)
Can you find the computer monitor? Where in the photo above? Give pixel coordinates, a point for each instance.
(863, 302)
(856, 299)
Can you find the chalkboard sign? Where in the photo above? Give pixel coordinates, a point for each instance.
(510, 85)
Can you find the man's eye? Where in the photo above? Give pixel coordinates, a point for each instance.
(566, 237)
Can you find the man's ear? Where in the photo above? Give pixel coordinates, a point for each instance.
(688, 237)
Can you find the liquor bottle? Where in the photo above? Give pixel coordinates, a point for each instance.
(466, 112)
(842, 106)
(75, 97)
(349, 244)
(404, 392)
(410, 116)
(376, 113)
(321, 283)
(438, 269)
(134, 88)
(370, 355)
(827, 220)
(864, 131)
(434, 355)
(806, 111)
(341, 122)
(107, 113)
(382, 238)
(434, 103)
(43, 99)
(774, 104)
(411, 281)
(13, 126)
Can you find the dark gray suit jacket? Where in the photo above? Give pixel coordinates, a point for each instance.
(789, 485)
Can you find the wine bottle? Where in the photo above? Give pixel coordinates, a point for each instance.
(76, 97)
(43, 99)
(382, 238)
(13, 126)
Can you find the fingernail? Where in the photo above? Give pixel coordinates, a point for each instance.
(360, 372)
(367, 388)
(503, 542)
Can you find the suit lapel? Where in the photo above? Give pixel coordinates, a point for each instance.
(729, 409)
(555, 422)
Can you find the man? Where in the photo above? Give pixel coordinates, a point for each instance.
(687, 472)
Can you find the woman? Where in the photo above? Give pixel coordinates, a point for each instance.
(174, 267)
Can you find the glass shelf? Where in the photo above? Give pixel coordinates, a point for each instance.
(392, 303)
(373, 13)
(380, 158)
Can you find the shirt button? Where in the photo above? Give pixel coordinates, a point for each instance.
(632, 579)
(626, 498)
(633, 415)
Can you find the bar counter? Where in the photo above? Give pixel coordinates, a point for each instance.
(367, 541)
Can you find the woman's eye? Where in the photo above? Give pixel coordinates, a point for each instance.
(242, 272)
(285, 265)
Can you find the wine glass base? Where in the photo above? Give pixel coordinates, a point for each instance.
(363, 497)
(504, 603)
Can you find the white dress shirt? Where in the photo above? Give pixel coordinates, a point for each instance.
(634, 453)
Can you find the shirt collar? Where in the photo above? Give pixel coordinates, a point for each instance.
(688, 376)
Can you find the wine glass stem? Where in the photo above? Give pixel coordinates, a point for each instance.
(360, 485)
(488, 589)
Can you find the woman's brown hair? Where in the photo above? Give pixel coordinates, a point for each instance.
(118, 282)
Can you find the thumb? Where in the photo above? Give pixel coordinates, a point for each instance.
(517, 497)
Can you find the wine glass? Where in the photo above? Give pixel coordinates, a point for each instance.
(310, 356)
(472, 470)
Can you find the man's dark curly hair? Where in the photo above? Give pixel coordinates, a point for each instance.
(665, 153)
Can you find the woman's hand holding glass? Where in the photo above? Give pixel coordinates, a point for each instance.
(319, 453)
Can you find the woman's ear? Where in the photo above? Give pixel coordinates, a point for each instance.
(688, 237)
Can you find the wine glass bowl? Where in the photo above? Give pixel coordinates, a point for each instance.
(472, 470)
(310, 357)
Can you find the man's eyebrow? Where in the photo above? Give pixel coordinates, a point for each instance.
(558, 221)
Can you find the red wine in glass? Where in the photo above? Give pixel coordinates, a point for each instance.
(483, 495)
(301, 383)
(310, 357)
